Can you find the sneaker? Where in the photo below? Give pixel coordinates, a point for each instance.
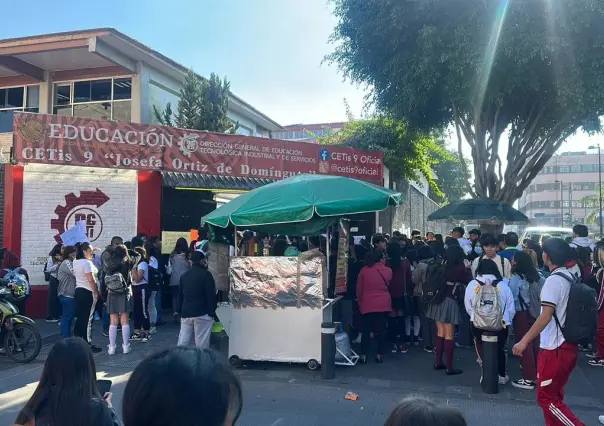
(601, 419)
(404, 349)
(105, 332)
(453, 372)
(591, 355)
(524, 384)
(176, 318)
(460, 346)
(137, 337)
(415, 341)
(52, 320)
(596, 362)
(584, 348)
(111, 350)
(146, 338)
(126, 348)
(394, 348)
(504, 380)
(358, 339)
(97, 317)
(429, 349)
(95, 349)
(153, 330)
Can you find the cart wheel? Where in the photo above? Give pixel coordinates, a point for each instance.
(235, 361)
(313, 365)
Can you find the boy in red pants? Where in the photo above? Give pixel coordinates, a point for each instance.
(557, 358)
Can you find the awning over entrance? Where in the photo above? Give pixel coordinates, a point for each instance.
(192, 180)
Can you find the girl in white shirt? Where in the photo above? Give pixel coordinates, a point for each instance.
(86, 293)
(488, 272)
(141, 296)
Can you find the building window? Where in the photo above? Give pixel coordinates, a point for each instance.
(23, 98)
(563, 169)
(575, 169)
(105, 99)
(589, 168)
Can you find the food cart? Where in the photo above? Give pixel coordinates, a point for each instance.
(277, 303)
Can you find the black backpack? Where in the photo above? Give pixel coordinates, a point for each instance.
(435, 283)
(581, 312)
(155, 279)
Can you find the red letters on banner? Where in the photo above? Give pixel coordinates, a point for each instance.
(53, 139)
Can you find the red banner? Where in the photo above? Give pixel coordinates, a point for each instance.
(53, 139)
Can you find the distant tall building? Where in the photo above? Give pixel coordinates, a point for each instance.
(559, 188)
(306, 132)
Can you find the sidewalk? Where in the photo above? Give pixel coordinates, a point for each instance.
(289, 394)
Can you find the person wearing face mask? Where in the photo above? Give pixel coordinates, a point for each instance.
(475, 241)
(490, 244)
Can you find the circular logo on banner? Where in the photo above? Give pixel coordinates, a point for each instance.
(31, 129)
(82, 208)
(93, 221)
(324, 154)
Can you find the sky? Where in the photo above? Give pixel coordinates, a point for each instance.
(270, 50)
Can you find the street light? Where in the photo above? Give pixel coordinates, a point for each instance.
(600, 186)
(561, 203)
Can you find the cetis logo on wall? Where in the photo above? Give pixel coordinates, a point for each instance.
(80, 208)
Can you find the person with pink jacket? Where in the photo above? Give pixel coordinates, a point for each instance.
(374, 301)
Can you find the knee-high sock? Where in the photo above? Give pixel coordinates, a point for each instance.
(440, 343)
(416, 326)
(126, 334)
(112, 334)
(449, 349)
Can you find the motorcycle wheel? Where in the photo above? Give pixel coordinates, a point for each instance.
(22, 344)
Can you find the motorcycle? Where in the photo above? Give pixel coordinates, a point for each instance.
(22, 340)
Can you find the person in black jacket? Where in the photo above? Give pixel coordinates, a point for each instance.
(197, 302)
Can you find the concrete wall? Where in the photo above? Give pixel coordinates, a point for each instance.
(412, 214)
(55, 196)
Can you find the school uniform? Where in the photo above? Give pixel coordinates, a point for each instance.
(557, 358)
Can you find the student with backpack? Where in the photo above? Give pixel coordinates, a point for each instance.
(526, 285)
(490, 305)
(568, 317)
(490, 244)
(445, 280)
(595, 282)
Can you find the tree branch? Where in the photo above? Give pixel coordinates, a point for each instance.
(462, 160)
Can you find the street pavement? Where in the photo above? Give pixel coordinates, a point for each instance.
(285, 394)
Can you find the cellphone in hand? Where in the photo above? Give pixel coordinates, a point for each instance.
(104, 386)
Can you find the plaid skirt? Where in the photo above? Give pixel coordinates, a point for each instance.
(446, 312)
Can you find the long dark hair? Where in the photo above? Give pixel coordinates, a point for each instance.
(488, 267)
(524, 268)
(56, 250)
(395, 254)
(420, 411)
(66, 387)
(182, 386)
(181, 247)
(373, 257)
(454, 256)
(81, 249)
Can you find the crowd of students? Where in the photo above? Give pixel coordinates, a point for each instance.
(409, 287)
(175, 386)
(124, 283)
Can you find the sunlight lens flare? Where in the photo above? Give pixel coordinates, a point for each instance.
(490, 53)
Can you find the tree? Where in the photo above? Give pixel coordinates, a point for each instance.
(451, 177)
(203, 105)
(592, 202)
(525, 74)
(407, 155)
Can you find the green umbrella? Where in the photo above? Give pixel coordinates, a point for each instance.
(479, 210)
(304, 203)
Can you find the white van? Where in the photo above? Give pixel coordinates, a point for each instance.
(546, 230)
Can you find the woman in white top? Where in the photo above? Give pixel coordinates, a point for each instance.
(86, 293)
(488, 273)
(141, 296)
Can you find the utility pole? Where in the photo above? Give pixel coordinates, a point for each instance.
(561, 204)
(599, 216)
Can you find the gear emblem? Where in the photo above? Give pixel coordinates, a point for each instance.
(188, 143)
(80, 208)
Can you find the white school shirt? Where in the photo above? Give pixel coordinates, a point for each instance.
(142, 266)
(555, 293)
(506, 298)
(80, 268)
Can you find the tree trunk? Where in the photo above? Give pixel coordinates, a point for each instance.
(487, 228)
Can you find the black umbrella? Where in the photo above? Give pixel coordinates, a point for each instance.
(482, 210)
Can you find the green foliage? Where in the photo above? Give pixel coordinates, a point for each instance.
(592, 202)
(530, 68)
(452, 178)
(203, 105)
(408, 155)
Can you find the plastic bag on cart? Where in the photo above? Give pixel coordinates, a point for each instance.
(342, 344)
